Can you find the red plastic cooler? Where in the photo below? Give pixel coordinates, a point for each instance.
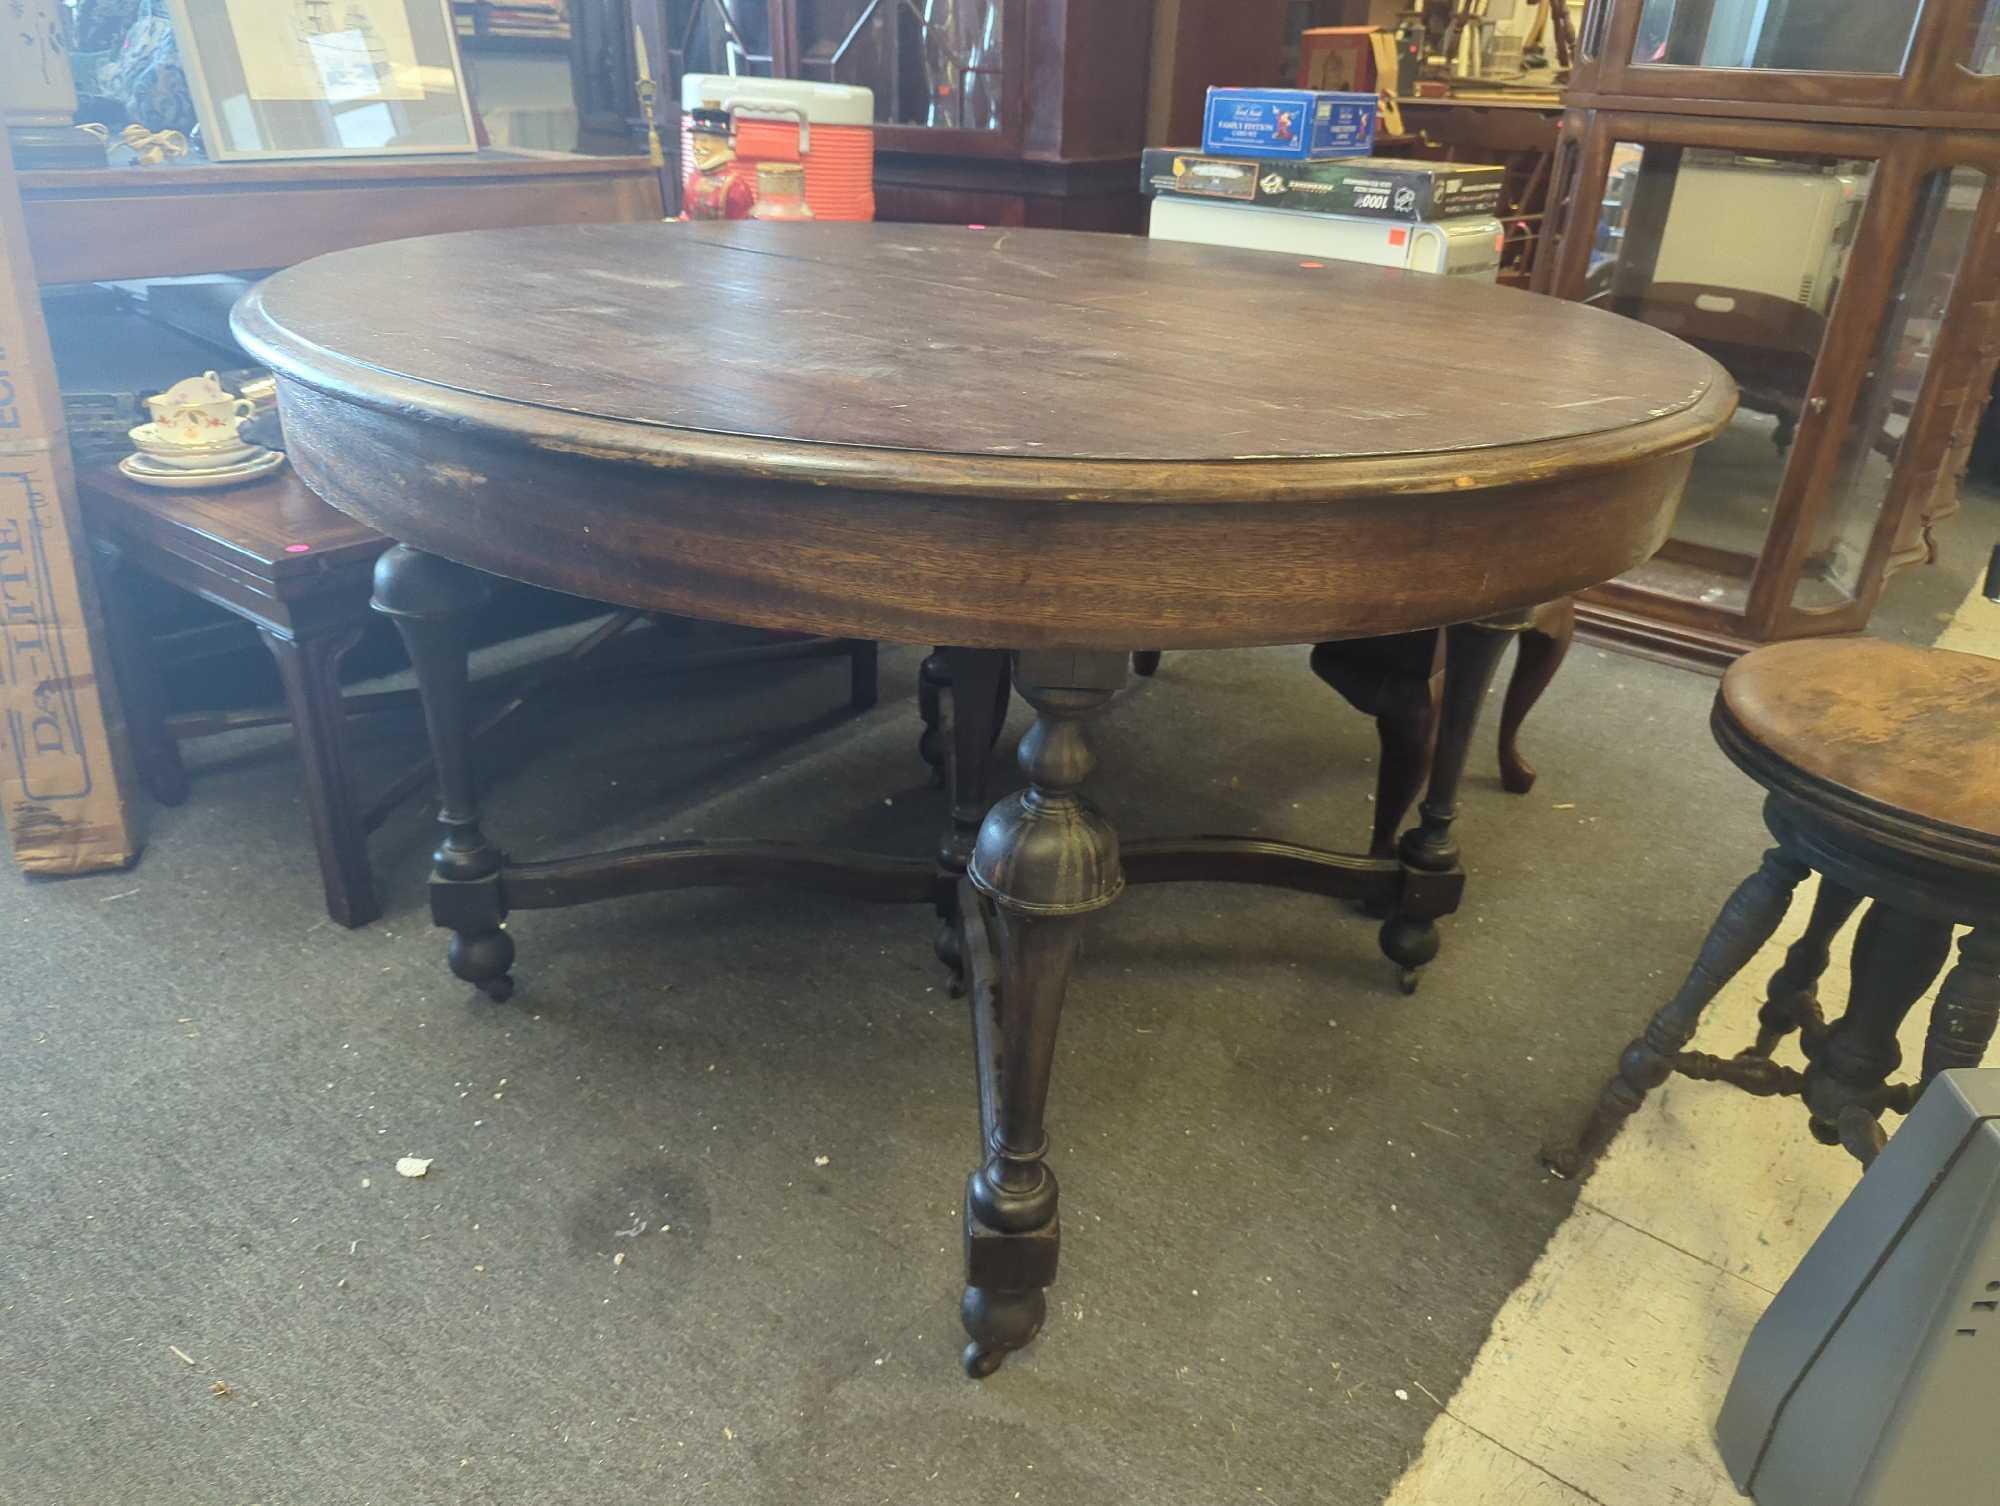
(828, 128)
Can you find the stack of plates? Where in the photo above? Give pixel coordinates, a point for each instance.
(168, 458)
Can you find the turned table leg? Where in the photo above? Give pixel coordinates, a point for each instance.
(1544, 645)
(1749, 918)
(1472, 651)
(309, 669)
(430, 599)
(977, 683)
(1045, 859)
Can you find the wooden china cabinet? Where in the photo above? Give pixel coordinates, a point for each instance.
(1002, 112)
(1804, 189)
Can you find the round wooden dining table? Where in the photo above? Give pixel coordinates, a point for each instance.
(1060, 447)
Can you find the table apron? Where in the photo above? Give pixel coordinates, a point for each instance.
(976, 572)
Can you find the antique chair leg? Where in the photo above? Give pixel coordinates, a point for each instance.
(1896, 955)
(1045, 859)
(1146, 663)
(1544, 645)
(309, 669)
(864, 686)
(140, 685)
(1791, 1000)
(1472, 650)
(1748, 919)
(1398, 681)
(977, 681)
(932, 680)
(1967, 1007)
(430, 599)
(1406, 722)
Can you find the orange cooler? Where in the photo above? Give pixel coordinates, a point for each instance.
(828, 128)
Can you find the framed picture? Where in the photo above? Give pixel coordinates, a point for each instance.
(324, 78)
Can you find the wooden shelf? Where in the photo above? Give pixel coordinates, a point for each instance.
(99, 224)
(531, 46)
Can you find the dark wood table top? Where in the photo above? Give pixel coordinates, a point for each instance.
(981, 437)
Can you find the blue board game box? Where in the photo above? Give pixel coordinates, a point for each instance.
(1295, 124)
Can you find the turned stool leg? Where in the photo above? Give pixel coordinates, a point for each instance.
(309, 669)
(1472, 650)
(1544, 645)
(1748, 920)
(1791, 1000)
(1968, 1005)
(1045, 859)
(978, 684)
(430, 599)
(1896, 955)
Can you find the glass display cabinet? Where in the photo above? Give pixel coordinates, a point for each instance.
(1012, 112)
(1802, 188)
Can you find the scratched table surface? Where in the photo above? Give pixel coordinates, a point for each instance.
(1012, 438)
(981, 343)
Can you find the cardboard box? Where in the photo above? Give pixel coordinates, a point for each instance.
(1340, 59)
(60, 790)
(1387, 188)
(1293, 124)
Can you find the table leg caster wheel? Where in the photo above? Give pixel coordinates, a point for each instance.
(1563, 1163)
(482, 959)
(1409, 944)
(980, 1363)
(999, 1323)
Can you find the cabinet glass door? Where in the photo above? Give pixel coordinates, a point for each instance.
(1742, 256)
(1814, 36)
(1844, 539)
(930, 63)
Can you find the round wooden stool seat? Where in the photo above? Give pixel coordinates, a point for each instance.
(1884, 739)
(1883, 766)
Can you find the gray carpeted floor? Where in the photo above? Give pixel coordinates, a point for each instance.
(1293, 1199)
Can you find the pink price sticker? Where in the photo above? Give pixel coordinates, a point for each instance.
(297, 548)
(975, 227)
(1312, 266)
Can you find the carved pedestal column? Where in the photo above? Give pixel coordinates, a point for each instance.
(1044, 860)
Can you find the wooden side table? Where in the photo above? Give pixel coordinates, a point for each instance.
(300, 573)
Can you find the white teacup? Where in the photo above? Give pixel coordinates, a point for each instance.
(199, 409)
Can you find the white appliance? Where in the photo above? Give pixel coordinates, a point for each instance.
(1870, 1379)
(1749, 225)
